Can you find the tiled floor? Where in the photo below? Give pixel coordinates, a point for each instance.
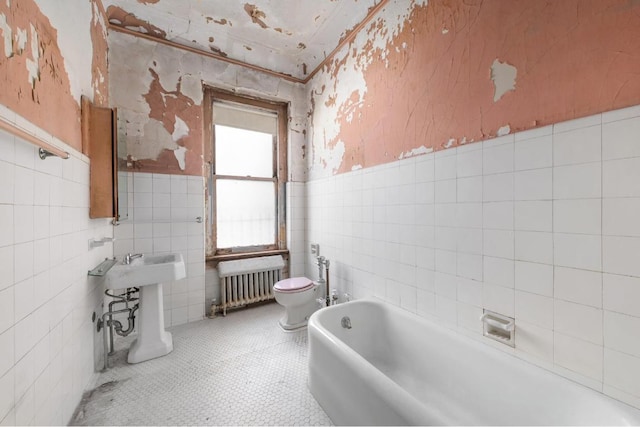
(238, 370)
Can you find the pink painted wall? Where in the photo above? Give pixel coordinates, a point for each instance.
(423, 81)
(36, 81)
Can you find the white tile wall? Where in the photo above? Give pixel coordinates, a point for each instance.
(162, 219)
(296, 221)
(534, 152)
(541, 225)
(162, 212)
(49, 348)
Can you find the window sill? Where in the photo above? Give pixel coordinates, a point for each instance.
(229, 257)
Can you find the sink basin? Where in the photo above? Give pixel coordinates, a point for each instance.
(148, 270)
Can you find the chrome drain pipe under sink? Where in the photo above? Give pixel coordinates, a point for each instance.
(109, 326)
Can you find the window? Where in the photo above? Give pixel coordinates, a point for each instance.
(247, 162)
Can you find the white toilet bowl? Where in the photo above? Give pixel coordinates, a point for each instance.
(298, 296)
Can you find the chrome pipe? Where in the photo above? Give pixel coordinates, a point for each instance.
(326, 263)
(131, 322)
(108, 314)
(112, 326)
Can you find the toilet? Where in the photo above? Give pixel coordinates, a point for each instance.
(298, 296)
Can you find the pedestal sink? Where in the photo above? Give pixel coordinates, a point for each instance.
(148, 273)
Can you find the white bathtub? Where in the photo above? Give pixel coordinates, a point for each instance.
(395, 368)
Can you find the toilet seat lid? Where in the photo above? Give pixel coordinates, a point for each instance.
(293, 284)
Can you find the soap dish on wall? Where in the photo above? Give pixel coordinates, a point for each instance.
(499, 327)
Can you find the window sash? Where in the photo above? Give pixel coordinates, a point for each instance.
(263, 168)
(234, 249)
(213, 95)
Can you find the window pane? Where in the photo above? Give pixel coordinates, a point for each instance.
(242, 152)
(246, 213)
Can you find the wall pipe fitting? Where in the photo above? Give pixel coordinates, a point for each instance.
(115, 325)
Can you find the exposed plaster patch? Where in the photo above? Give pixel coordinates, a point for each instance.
(504, 130)
(255, 14)
(32, 64)
(168, 72)
(191, 87)
(503, 76)
(180, 154)
(154, 131)
(167, 95)
(333, 158)
(180, 130)
(7, 34)
(121, 63)
(121, 17)
(343, 101)
(21, 40)
(161, 116)
(439, 92)
(148, 1)
(73, 28)
(344, 35)
(183, 73)
(356, 167)
(36, 83)
(348, 109)
(416, 152)
(99, 65)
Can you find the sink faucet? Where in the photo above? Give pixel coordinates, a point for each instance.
(128, 257)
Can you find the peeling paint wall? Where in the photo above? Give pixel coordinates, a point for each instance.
(52, 54)
(258, 32)
(99, 64)
(161, 112)
(128, 20)
(426, 76)
(503, 76)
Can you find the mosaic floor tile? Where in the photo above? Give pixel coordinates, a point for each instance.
(236, 370)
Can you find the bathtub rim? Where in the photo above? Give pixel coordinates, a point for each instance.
(412, 409)
(624, 410)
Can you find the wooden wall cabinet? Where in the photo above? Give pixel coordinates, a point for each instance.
(99, 143)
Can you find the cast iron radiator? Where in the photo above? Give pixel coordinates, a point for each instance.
(246, 281)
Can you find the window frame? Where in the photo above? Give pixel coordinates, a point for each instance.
(212, 95)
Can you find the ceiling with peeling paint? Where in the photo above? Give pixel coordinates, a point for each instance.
(291, 37)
